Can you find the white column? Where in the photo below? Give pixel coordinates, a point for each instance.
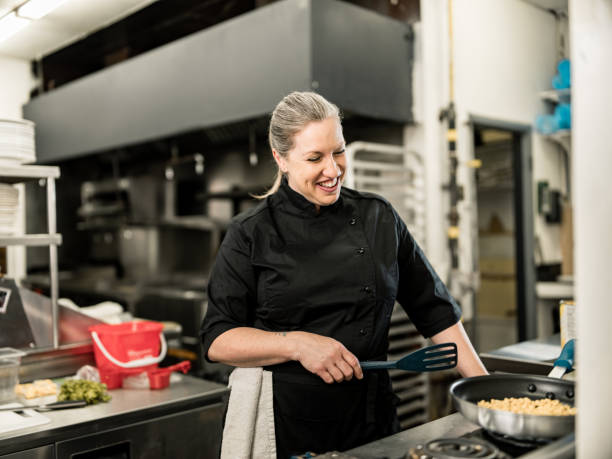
(591, 58)
(435, 95)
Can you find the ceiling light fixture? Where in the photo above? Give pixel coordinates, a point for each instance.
(11, 24)
(36, 9)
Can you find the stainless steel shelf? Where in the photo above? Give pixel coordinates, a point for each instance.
(563, 138)
(557, 95)
(31, 240)
(412, 388)
(25, 173)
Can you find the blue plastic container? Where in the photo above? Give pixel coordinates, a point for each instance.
(546, 124)
(563, 116)
(562, 79)
(563, 67)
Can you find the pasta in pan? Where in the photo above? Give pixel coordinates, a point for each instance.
(524, 405)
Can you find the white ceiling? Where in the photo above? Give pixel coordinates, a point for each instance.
(76, 19)
(70, 22)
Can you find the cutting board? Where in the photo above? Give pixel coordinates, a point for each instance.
(9, 420)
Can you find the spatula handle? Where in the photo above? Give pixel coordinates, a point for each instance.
(566, 359)
(377, 365)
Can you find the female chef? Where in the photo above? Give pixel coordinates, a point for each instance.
(304, 285)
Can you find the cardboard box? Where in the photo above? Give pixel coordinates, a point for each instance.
(496, 296)
(567, 240)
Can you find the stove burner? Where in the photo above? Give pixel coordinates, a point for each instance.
(452, 448)
(527, 444)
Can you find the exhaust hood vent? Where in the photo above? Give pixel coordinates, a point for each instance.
(237, 70)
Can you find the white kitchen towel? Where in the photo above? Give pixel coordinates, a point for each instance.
(249, 424)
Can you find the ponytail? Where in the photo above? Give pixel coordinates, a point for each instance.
(274, 188)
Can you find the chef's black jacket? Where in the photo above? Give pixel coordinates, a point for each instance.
(284, 266)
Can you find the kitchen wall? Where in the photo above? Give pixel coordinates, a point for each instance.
(505, 53)
(16, 81)
(15, 84)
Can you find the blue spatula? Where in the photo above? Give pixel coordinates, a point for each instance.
(433, 358)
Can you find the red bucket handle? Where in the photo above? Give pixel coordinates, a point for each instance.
(133, 363)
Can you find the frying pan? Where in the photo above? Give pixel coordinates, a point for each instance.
(467, 392)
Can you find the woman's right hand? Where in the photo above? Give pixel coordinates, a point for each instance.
(325, 357)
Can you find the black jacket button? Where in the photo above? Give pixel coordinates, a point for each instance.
(367, 289)
(363, 332)
(360, 250)
(353, 221)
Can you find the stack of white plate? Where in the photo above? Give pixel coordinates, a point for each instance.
(17, 141)
(9, 202)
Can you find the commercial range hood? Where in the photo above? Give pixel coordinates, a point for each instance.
(236, 70)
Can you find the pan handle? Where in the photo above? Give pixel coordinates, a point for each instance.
(377, 365)
(566, 359)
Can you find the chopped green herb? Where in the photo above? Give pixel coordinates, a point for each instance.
(79, 389)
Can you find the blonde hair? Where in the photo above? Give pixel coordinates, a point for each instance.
(289, 117)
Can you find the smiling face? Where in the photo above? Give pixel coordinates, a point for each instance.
(316, 164)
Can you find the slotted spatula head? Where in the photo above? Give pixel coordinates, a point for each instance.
(432, 358)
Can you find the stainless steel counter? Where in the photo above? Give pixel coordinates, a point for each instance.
(126, 407)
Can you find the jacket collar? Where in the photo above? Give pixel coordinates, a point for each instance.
(298, 202)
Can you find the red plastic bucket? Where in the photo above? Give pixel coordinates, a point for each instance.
(127, 348)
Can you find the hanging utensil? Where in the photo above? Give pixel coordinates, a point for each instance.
(432, 358)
